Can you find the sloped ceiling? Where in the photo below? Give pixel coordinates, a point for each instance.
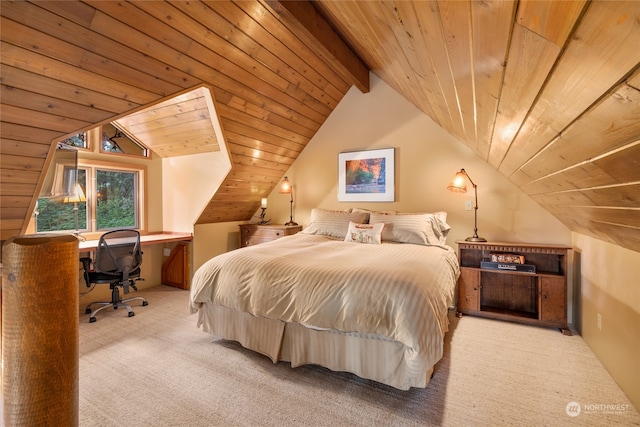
(181, 125)
(546, 92)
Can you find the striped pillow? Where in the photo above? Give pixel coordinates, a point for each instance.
(333, 223)
(419, 229)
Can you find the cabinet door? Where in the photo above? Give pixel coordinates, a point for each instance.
(176, 269)
(469, 290)
(553, 300)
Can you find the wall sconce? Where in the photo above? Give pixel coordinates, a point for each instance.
(459, 185)
(77, 197)
(287, 188)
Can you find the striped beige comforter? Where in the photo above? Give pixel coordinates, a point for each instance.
(398, 291)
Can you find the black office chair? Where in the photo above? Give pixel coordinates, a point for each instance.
(118, 259)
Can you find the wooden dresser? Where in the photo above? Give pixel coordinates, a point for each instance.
(538, 298)
(254, 234)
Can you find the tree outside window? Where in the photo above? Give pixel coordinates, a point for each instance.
(114, 200)
(58, 214)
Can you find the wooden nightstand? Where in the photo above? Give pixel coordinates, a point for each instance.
(253, 234)
(538, 298)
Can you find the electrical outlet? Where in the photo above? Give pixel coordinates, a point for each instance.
(167, 251)
(467, 205)
(599, 321)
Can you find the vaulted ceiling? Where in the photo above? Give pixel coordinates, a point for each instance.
(548, 93)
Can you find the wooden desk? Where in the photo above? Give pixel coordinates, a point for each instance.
(149, 239)
(176, 270)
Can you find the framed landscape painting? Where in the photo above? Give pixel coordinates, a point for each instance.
(366, 176)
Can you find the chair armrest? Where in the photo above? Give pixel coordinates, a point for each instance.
(86, 266)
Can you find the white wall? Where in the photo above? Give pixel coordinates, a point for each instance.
(188, 182)
(607, 279)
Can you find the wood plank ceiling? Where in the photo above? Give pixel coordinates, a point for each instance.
(183, 124)
(548, 93)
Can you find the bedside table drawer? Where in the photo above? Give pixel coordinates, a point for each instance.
(254, 234)
(262, 232)
(254, 240)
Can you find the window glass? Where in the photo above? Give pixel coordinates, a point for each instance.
(116, 199)
(113, 198)
(59, 214)
(115, 141)
(79, 141)
(108, 194)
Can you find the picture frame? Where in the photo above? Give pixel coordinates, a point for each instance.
(367, 176)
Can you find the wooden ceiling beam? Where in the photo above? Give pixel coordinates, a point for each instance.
(303, 19)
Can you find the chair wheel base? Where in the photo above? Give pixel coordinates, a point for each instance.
(92, 319)
(144, 303)
(87, 311)
(131, 314)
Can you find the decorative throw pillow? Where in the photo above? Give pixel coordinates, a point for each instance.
(364, 233)
(333, 223)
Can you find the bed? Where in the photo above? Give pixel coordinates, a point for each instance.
(355, 291)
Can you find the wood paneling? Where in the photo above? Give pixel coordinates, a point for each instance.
(564, 124)
(184, 124)
(548, 93)
(68, 66)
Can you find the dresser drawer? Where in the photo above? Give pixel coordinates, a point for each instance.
(263, 232)
(254, 240)
(253, 234)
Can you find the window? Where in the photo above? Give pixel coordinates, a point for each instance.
(116, 205)
(113, 140)
(109, 197)
(78, 141)
(59, 214)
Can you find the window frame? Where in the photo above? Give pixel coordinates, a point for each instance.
(145, 151)
(85, 138)
(92, 166)
(91, 232)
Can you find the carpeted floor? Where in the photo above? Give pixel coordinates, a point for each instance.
(157, 369)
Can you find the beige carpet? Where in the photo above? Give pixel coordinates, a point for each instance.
(157, 369)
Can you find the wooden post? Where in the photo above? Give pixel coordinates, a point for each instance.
(40, 335)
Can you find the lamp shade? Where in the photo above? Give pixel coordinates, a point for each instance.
(459, 183)
(77, 196)
(285, 186)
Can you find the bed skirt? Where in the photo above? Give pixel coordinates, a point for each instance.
(368, 356)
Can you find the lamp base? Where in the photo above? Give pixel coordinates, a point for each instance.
(79, 236)
(291, 223)
(475, 239)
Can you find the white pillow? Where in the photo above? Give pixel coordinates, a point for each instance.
(364, 211)
(419, 229)
(333, 223)
(364, 233)
(441, 215)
